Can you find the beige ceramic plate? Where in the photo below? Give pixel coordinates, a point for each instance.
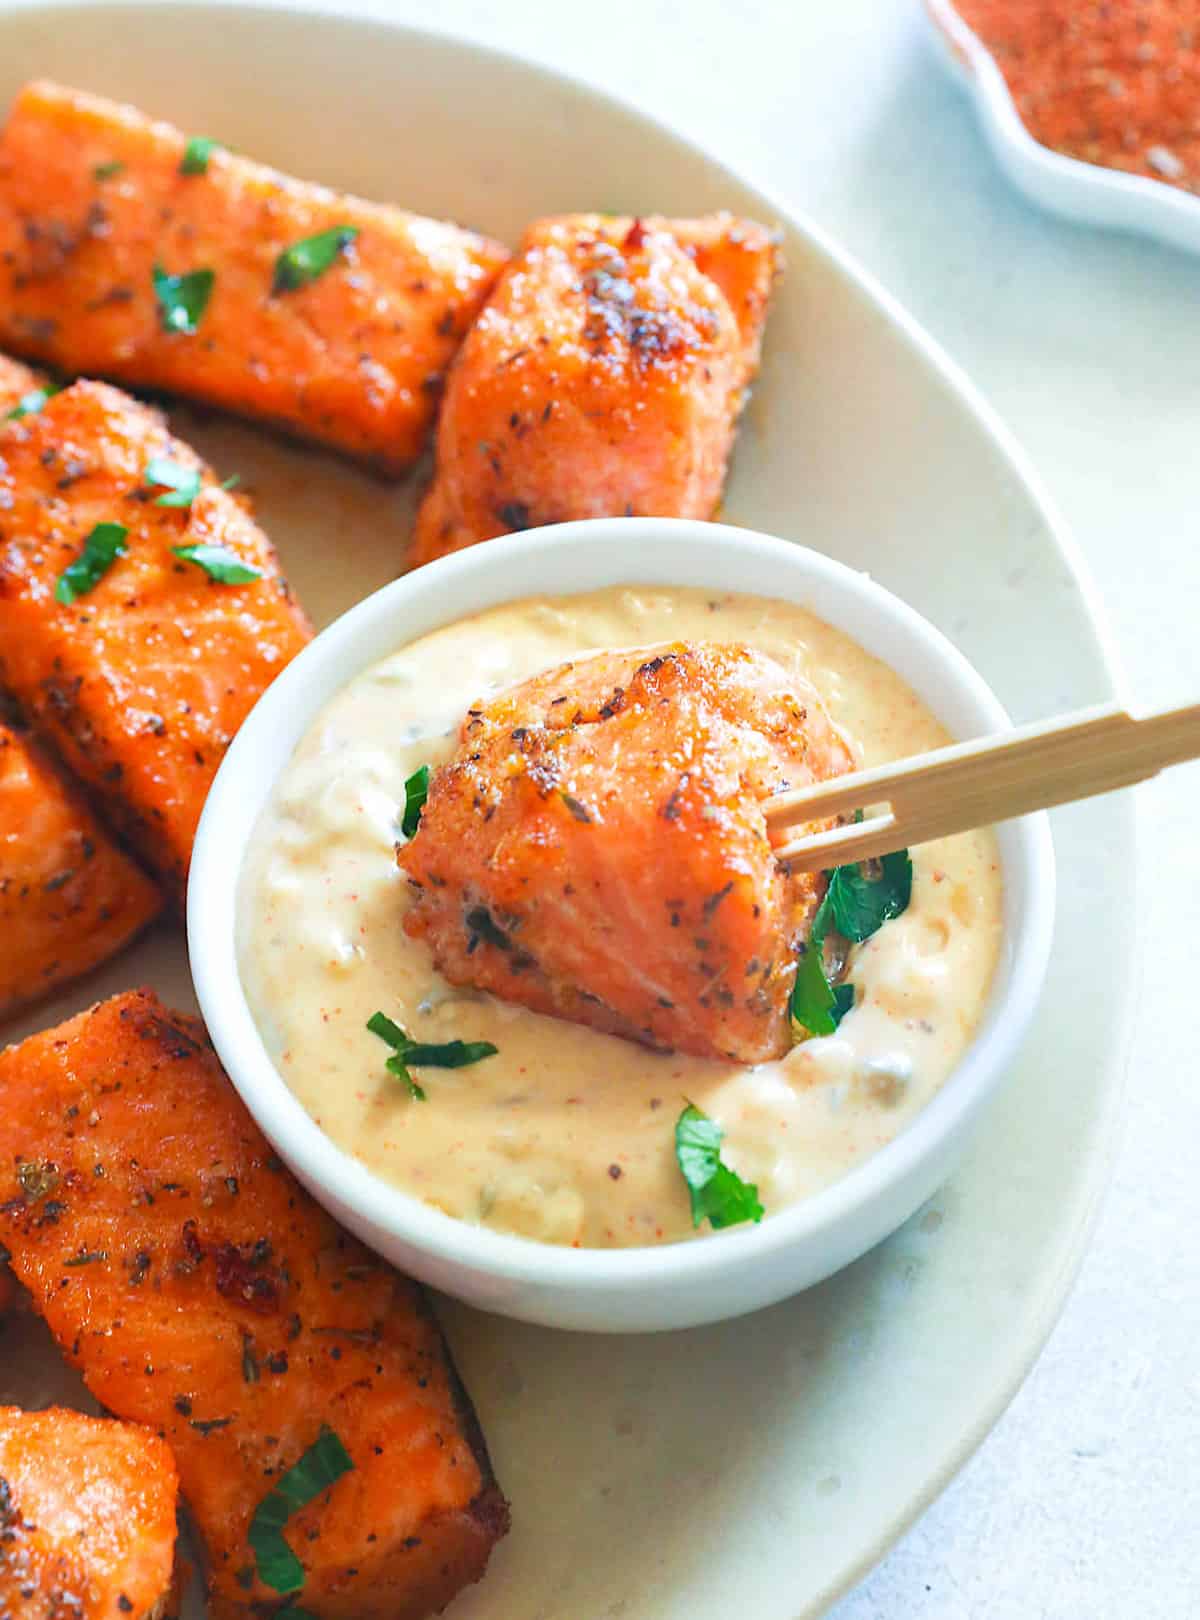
(757, 1468)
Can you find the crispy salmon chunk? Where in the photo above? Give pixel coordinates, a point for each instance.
(328, 316)
(138, 662)
(69, 898)
(597, 849)
(201, 1291)
(603, 378)
(87, 1518)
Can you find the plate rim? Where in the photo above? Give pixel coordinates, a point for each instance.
(1095, 1181)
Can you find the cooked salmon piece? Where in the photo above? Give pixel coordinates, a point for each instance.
(87, 1518)
(604, 377)
(142, 680)
(69, 898)
(201, 1291)
(344, 341)
(16, 381)
(597, 849)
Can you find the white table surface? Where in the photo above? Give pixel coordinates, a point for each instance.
(1085, 1502)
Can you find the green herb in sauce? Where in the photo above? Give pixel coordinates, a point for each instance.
(718, 1193)
(309, 258)
(814, 1002)
(859, 905)
(424, 1054)
(416, 791)
(856, 906)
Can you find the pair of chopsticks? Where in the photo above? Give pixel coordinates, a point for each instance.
(974, 784)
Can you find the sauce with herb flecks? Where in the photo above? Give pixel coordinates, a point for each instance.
(567, 1135)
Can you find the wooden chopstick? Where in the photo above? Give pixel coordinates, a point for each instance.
(974, 784)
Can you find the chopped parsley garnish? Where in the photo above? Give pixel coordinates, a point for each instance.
(860, 905)
(31, 403)
(424, 1054)
(309, 258)
(219, 563)
(843, 1002)
(813, 1000)
(100, 550)
(197, 153)
(718, 1193)
(448, 1054)
(182, 483)
(855, 906)
(321, 1466)
(108, 171)
(416, 791)
(182, 299)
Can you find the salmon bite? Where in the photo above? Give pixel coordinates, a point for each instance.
(596, 846)
(604, 377)
(69, 896)
(129, 252)
(142, 610)
(87, 1518)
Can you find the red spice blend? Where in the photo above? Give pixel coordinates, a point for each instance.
(1114, 82)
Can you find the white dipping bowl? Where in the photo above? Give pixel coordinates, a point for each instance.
(613, 1290)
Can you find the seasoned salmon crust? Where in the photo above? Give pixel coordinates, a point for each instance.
(201, 1291)
(69, 897)
(596, 848)
(604, 378)
(87, 1518)
(328, 316)
(141, 677)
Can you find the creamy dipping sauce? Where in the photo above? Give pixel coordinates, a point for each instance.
(567, 1135)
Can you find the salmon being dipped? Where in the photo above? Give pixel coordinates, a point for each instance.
(597, 849)
(69, 897)
(604, 377)
(129, 251)
(325, 1447)
(135, 634)
(87, 1518)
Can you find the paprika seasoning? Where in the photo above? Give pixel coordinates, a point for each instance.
(1112, 82)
